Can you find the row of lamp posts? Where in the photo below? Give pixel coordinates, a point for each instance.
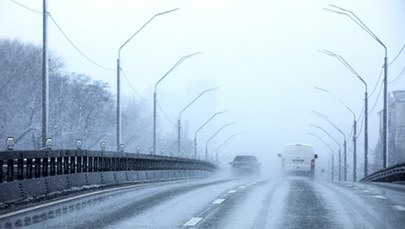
(359, 22)
(153, 149)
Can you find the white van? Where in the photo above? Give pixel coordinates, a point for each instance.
(298, 159)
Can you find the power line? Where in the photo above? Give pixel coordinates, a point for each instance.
(378, 96)
(77, 49)
(393, 82)
(26, 7)
(165, 115)
(64, 34)
(378, 81)
(397, 55)
(361, 128)
(132, 87)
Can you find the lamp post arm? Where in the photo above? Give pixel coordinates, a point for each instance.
(345, 63)
(202, 126)
(341, 59)
(206, 144)
(144, 25)
(181, 112)
(326, 118)
(358, 21)
(174, 66)
(227, 140)
(320, 139)
(195, 99)
(337, 98)
(326, 132)
(220, 129)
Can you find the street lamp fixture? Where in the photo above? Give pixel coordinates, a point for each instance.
(181, 112)
(119, 79)
(121, 149)
(79, 144)
(48, 143)
(103, 145)
(155, 96)
(10, 143)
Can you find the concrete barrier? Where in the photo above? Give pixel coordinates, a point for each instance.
(21, 190)
(11, 192)
(34, 187)
(57, 183)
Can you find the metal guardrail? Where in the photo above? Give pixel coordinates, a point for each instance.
(22, 165)
(391, 174)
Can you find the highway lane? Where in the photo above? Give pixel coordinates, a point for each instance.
(293, 202)
(298, 202)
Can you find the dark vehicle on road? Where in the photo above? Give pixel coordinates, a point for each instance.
(245, 165)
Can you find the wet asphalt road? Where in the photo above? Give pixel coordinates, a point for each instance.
(293, 202)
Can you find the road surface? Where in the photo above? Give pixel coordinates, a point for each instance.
(292, 202)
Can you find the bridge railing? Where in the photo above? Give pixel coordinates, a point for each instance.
(391, 174)
(22, 165)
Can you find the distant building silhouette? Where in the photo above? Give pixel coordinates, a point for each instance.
(396, 131)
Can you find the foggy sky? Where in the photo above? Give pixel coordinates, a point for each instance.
(263, 54)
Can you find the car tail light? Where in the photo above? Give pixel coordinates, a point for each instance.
(313, 164)
(283, 162)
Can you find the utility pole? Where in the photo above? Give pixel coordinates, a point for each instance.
(385, 118)
(366, 134)
(45, 75)
(354, 150)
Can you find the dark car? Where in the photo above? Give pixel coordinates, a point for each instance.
(245, 165)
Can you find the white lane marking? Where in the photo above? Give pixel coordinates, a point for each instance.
(218, 201)
(366, 191)
(242, 186)
(399, 207)
(232, 191)
(192, 222)
(379, 197)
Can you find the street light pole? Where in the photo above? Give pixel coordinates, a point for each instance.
(360, 23)
(202, 126)
(354, 132)
(215, 134)
(45, 75)
(119, 77)
(226, 141)
(347, 65)
(326, 132)
(333, 153)
(155, 97)
(181, 112)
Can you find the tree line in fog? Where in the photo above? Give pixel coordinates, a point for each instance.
(79, 107)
